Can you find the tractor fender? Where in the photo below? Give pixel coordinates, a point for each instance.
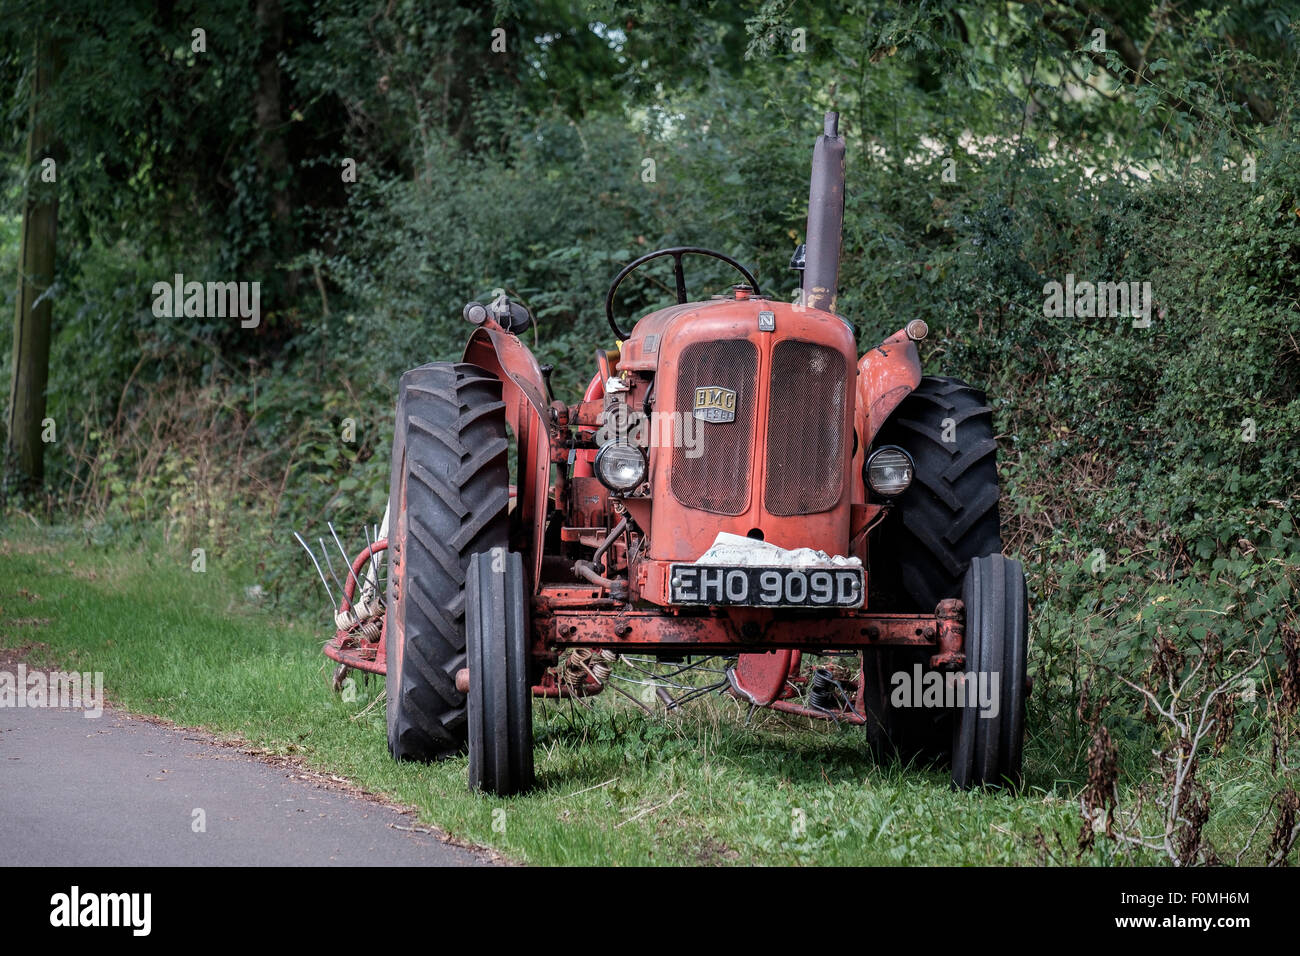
(886, 375)
(523, 389)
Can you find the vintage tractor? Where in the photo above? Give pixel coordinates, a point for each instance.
(736, 483)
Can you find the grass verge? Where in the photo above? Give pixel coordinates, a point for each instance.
(617, 786)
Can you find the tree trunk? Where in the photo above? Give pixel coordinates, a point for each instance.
(34, 308)
(273, 151)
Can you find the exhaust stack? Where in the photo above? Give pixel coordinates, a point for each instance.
(825, 218)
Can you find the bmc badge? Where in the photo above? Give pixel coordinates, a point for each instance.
(715, 404)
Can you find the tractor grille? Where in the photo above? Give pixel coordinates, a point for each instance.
(805, 429)
(717, 479)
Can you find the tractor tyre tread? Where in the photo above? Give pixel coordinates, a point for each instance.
(950, 513)
(450, 463)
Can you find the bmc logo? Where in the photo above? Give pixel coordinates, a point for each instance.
(715, 404)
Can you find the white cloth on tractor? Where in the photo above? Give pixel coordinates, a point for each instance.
(739, 551)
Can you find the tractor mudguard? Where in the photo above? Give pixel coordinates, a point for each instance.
(886, 374)
(524, 392)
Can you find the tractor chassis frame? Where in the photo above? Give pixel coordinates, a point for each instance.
(566, 617)
(770, 642)
(560, 622)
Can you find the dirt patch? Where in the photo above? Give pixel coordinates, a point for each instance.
(712, 852)
(9, 546)
(705, 849)
(11, 657)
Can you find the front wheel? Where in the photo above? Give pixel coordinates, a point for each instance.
(988, 741)
(500, 693)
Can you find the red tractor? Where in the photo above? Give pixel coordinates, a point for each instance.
(735, 482)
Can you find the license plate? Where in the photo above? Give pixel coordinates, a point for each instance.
(765, 587)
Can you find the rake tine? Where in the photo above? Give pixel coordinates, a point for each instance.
(330, 564)
(346, 563)
(365, 531)
(373, 576)
(321, 574)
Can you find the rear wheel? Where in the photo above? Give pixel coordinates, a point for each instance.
(912, 734)
(500, 693)
(448, 497)
(919, 556)
(949, 515)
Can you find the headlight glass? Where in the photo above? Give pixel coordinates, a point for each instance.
(620, 467)
(889, 471)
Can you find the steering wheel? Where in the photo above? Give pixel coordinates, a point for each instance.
(678, 275)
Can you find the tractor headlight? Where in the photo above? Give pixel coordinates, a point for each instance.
(889, 471)
(620, 466)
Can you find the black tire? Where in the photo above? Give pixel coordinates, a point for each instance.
(919, 555)
(500, 692)
(448, 498)
(913, 735)
(882, 719)
(988, 749)
(950, 513)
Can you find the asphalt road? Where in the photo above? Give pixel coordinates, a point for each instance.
(119, 791)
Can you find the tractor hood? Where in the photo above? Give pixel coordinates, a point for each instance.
(766, 390)
(727, 317)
